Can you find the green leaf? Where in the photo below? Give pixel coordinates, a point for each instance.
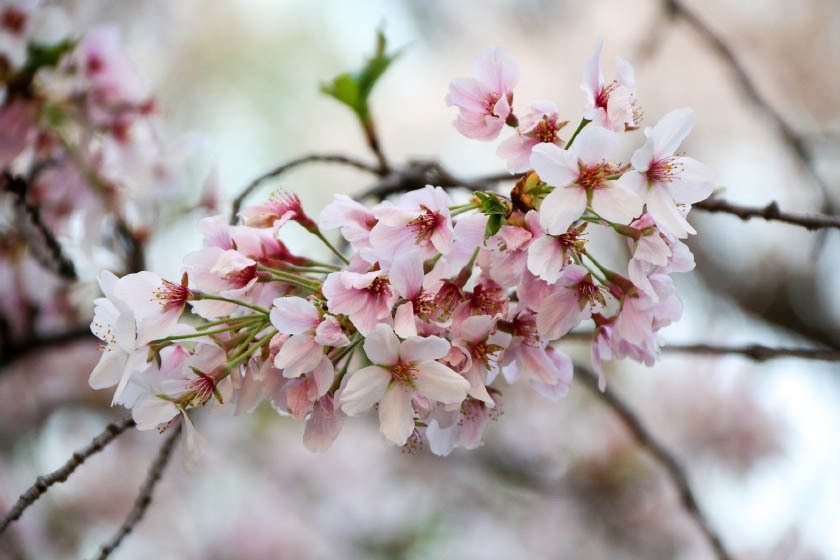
(47, 56)
(354, 88)
(494, 224)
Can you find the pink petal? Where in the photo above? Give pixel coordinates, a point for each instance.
(294, 315)
(665, 212)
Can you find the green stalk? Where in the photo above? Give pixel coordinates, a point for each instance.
(583, 123)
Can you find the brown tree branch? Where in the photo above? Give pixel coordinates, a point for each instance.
(43, 483)
(288, 166)
(659, 452)
(144, 498)
(20, 348)
(54, 259)
(756, 352)
(771, 212)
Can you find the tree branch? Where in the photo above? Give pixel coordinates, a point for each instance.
(43, 483)
(279, 170)
(771, 212)
(20, 348)
(55, 260)
(662, 455)
(756, 352)
(144, 498)
(794, 141)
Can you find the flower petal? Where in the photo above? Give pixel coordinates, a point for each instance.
(439, 383)
(396, 415)
(364, 387)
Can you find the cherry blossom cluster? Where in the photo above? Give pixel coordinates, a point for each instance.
(435, 305)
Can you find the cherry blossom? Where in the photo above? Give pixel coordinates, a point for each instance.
(402, 368)
(610, 105)
(664, 180)
(581, 177)
(485, 100)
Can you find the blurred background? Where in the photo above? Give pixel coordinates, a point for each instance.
(240, 80)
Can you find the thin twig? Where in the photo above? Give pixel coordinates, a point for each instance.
(55, 259)
(671, 465)
(417, 175)
(42, 483)
(771, 212)
(375, 146)
(757, 352)
(144, 498)
(795, 142)
(279, 170)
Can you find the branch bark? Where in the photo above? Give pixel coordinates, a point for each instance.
(771, 212)
(663, 456)
(144, 498)
(47, 250)
(43, 483)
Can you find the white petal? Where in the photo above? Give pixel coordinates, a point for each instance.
(616, 203)
(150, 411)
(562, 207)
(595, 145)
(592, 77)
(404, 323)
(110, 368)
(554, 165)
(439, 383)
(694, 183)
(406, 274)
(396, 415)
(416, 349)
(642, 157)
(665, 212)
(382, 345)
(364, 387)
(670, 131)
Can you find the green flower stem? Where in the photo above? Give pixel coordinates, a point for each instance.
(236, 320)
(256, 308)
(583, 123)
(195, 335)
(317, 233)
(604, 270)
(229, 366)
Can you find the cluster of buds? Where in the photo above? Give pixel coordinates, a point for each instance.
(435, 305)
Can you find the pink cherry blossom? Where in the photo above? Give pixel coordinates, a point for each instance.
(354, 219)
(275, 212)
(464, 427)
(366, 298)
(224, 273)
(549, 254)
(310, 334)
(417, 220)
(610, 105)
(401, 370)
(664, 180)
(573, 300)
(540, 125)
(485, 100)
(580, 177)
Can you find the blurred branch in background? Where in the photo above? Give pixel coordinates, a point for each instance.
(43, 483)
(671, 465)
(795, 142)
(144, 498)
